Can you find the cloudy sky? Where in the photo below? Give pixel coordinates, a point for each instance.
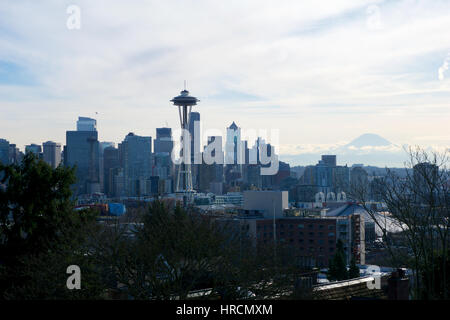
(322, 72)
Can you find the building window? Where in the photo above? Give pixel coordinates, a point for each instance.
(330, 227)
(331, 234)
(320, 234)
(301, 226)
(320, 226)
(311, 234)
(311, 241)
(300, 240)
(311, 226)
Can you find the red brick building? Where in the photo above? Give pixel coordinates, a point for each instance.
(314, 238)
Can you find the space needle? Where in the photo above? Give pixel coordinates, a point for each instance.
(184, 102)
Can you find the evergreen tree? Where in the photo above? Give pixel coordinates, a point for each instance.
(353, 271)
(338, 268)
(41, 234)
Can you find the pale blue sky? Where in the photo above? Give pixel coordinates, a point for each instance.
(323, 72)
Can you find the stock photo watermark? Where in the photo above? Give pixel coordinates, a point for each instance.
(375, 271)
(442, 69)
(74, 280)
(74, 20)
(373, 20)
(235, 148)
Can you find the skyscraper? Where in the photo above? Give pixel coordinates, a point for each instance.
(34, 148)
(102, 146)
(110, 162)
(163, 142)
(4, 151)
(211, 171)
(233, 148)
(86, 124)
(52, 153)
(82, 150)
(194, 123)
(15, 155)
(137, 163)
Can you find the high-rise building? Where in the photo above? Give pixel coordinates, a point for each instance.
(233, 148)
(194, 131)
(4, 151)
(52, 153)
(82, 150)
(284, 172)
(137, 163)
(163, 165)
(117, 185)
(34, 148)
(163, 142)
(86, 124)
(153, 185)
(329, 160)
(214, 148)
(103, 145)
(341, 178)
(15, 155)
(325, 177)
(110, 162)
(211, 170)
(234, 155)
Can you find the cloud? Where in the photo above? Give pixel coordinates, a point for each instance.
(293, 65)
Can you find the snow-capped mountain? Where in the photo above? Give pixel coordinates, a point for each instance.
(367, 149)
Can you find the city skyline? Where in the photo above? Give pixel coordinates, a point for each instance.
(209, 152)
(322, 75)
(367, 149)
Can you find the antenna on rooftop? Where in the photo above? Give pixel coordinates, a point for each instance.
(184, 84)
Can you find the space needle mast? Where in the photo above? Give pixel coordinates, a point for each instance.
(184, 102)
